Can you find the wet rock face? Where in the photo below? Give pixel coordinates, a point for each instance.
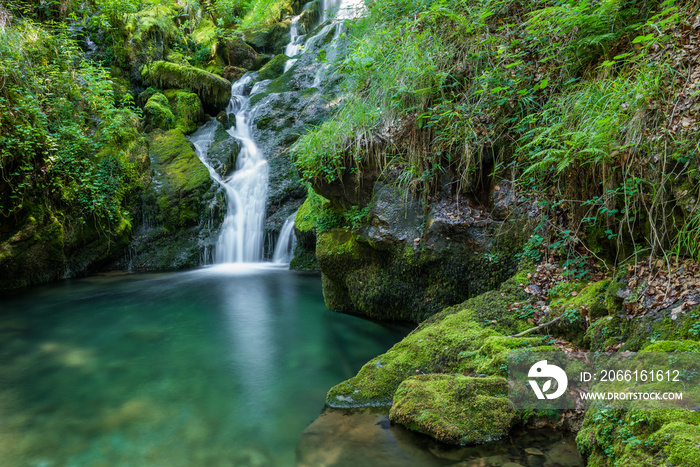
(223, 153)
(409, 263)
(172, 226)
(279, 118)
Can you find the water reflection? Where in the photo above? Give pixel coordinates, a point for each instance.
(220, 366)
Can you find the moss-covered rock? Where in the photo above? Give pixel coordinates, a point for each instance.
(573, 306)
(305, 232)
(273, 68)
(404, 282)
(675, 322)
(309, 16)
(187, 109)
(455, 340)
(158, 114)
(176, 209)
(643, 437)
(238, 54)
(233, 73)
(214, 91)
(269, 39)
(182, 179)
(454, 409)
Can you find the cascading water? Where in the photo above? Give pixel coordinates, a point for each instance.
(241, 236)
(295, 42)
(284, 251)
(340, 9)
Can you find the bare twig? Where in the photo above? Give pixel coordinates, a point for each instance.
(528, 331)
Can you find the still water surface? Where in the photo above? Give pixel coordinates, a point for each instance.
(219, 366)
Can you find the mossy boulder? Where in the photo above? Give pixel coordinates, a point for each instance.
(405, 282)
(309, 16)
(573, 306)
(183, 179)
(187, 109)
(273, 68)
(405, 266)
(269, 39)
(214, 91)
(233, 73)
(455, 340)
(177, 207)
(238, 54)
(676, 322)
(158, 114)
(454, 409)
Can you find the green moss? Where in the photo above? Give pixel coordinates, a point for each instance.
(305, 231)
(454, 409)
(157, 112)
(679, 443)
(204, 35)
(214, 91)
(639, 437)
(172, 152)
(452, 341)
(645, 437)
(604, 333)
(673, 346)
(304, 219)
(183, 180)
(613, 303)
(188, 109)
(573, 304)
(273, 68)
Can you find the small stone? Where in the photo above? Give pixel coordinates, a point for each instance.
(534, 451)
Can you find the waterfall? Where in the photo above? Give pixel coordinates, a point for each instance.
(241, 236)
(284, 251)
(341, 9)
(295, 42)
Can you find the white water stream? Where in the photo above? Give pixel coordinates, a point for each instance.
(284, 251)
(241, 236)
